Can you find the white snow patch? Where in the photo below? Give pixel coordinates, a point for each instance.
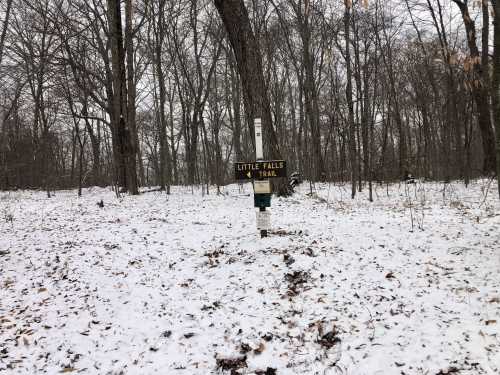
(170, 284)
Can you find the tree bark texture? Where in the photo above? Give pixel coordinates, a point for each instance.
(247, 53)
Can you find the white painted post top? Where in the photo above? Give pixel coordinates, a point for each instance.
(259, 150)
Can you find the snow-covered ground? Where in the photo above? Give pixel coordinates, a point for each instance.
(182, 284)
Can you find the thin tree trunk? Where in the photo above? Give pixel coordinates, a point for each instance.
(350, 122)
(165, 166)
(496, 84)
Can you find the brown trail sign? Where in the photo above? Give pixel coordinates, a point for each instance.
(260, 169)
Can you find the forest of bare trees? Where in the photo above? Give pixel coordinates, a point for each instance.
(157, 93)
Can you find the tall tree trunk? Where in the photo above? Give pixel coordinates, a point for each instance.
(165, 164)
(118, 92)
(122, 108)
(133, 184)
(247, 53)
(350, 122)
(496, 84)
(310, 91)
(480, 86)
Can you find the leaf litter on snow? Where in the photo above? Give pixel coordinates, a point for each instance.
(408, 284)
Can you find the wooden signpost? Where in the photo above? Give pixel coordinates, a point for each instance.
(260, 171)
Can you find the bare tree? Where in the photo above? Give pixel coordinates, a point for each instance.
(5, 27)
(480, 80)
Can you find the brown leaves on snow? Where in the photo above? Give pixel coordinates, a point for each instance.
(232, 363)
(296, 281)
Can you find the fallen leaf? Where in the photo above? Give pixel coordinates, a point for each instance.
(260, 349)
(68, 369)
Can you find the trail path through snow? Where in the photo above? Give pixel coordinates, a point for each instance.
(183, 285)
